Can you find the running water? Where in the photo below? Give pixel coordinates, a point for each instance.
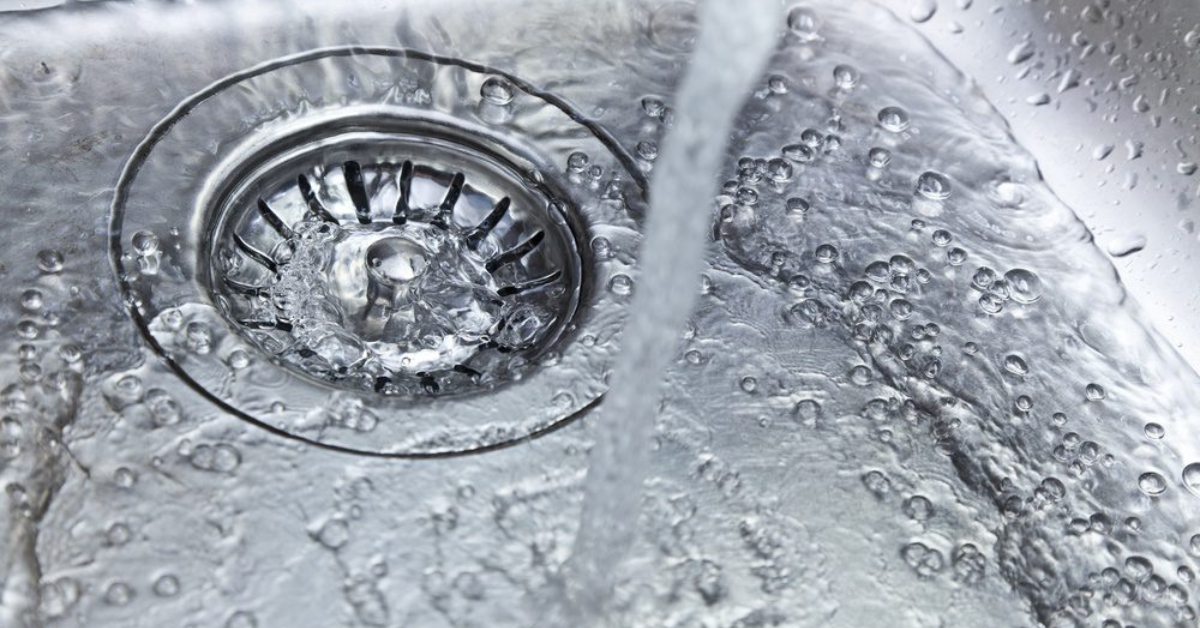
(734, 44)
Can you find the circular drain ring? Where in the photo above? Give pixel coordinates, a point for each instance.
(159, 282)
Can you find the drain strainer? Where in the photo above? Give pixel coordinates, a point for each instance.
(381, 251)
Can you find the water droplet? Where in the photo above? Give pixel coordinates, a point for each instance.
(334, 534)
(145, 243)
(32, 300)
(1152, 483)
(804, 23)
(879, 157)
(956, 256)
(1023, 286)
(621, 284)
(1191, 478)
(647, 150)
(497, 90)
(921, 11)
(779, 170)
(933, 185)
(799, 153)
(777, 84)
(1125, 245)
(846, 76)
(654, 107)
(577, 162)
(118, 594)
(918, 507)
(1094, 392)
(749, 384)
(1154, 431)
(1016, 365)
(1021, 52)
(50, 261)
(826, 254)
(894, 119)
(166, 586)
(941, 237)
(797, 205)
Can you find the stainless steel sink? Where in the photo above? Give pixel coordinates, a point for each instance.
(311, 306)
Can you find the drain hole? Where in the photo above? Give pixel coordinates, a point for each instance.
(394, 275)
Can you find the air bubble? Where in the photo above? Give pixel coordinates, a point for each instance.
(497, 90)
(894, 119)
(933, 185)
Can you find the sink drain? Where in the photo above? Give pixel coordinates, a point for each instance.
(381, 251)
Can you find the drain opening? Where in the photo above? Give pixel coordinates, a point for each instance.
(397, 273)
(368, 250)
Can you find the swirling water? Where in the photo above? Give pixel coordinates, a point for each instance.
(913, 391)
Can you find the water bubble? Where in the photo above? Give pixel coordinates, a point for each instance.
(32, 300)
(497, 90)
(163, 408)
(225, 458)
(797, 205)
(653, 107)
(50, 261)
(238, 359)
(198, 338)
(779, 170)
(1024, 286)
(1024, 403)
(933, 185)
(1191, 478)
(1154, 431)
(918, 507)
(921, 11)
(860, 375)
(777, 84)
(991, 304)
(1152, 483)
(747, 196)
(124, 477)
(956, 256)
(826, 254)
(901, 309)
(804, 23)
(118, 534)
(145, 243)
(941, 237)
(894, 119)
(621, 284)
(846, 76)
(334, 534)
(808, 412)
(28, 330)
(983, 278)
(647, 150)
(1094, 392)
(799, 153)
(118, 594)
(1016, 365)
(923, 560)
(577, 162)
(879, 157)
(166, 586)
(812, 138)
(749, 384)
(877, 483)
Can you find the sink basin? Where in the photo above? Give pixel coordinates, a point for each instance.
(312, 307)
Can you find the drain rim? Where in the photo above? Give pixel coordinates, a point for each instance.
(491, 431)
